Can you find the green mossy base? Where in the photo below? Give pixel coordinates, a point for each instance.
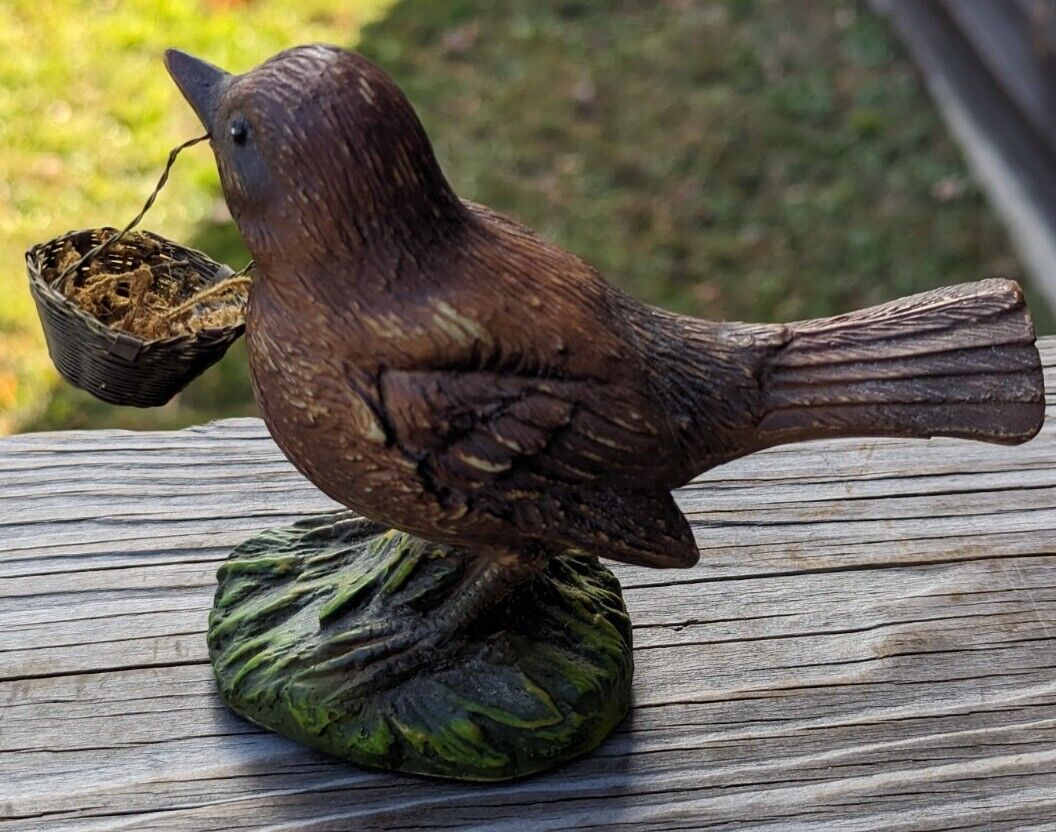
(542, 677)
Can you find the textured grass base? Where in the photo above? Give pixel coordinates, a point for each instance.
(298, 636)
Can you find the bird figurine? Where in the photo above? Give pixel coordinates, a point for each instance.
(441, 369)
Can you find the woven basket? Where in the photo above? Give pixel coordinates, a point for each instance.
(116, 366)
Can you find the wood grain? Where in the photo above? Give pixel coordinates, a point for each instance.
(866, 644)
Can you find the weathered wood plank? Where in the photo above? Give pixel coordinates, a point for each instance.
(868, 643)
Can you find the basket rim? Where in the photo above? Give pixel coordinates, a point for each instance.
(39, 284)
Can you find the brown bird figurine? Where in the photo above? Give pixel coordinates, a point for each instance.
(444, 370)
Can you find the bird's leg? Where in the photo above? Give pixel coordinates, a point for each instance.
(489, 578)
(388, 651)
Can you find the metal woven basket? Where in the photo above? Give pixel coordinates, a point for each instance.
(112, 365)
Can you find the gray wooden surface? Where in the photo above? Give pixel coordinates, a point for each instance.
(867, 643)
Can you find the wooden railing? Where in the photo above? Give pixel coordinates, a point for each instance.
(868, 642)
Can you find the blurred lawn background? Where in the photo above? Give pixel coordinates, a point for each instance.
(740, 159)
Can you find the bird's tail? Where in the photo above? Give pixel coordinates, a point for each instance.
(953, 362)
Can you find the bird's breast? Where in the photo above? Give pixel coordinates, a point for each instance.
(320, 407)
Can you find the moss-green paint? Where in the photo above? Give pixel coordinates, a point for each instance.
(300, 614)
(273, 566)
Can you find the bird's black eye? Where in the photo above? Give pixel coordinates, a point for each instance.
(239, 131)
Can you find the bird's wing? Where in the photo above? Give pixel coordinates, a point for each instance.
(473, 429)
(568, 461)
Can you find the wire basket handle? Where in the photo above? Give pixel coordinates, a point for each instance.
(94, 252)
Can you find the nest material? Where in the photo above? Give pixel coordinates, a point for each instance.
(152, 299)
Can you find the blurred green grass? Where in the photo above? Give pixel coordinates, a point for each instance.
(741, 159)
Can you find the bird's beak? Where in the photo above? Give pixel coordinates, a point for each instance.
(200, 82)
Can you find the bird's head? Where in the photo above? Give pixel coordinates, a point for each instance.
(316, 147)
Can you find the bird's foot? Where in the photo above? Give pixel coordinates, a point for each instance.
(384, 651)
